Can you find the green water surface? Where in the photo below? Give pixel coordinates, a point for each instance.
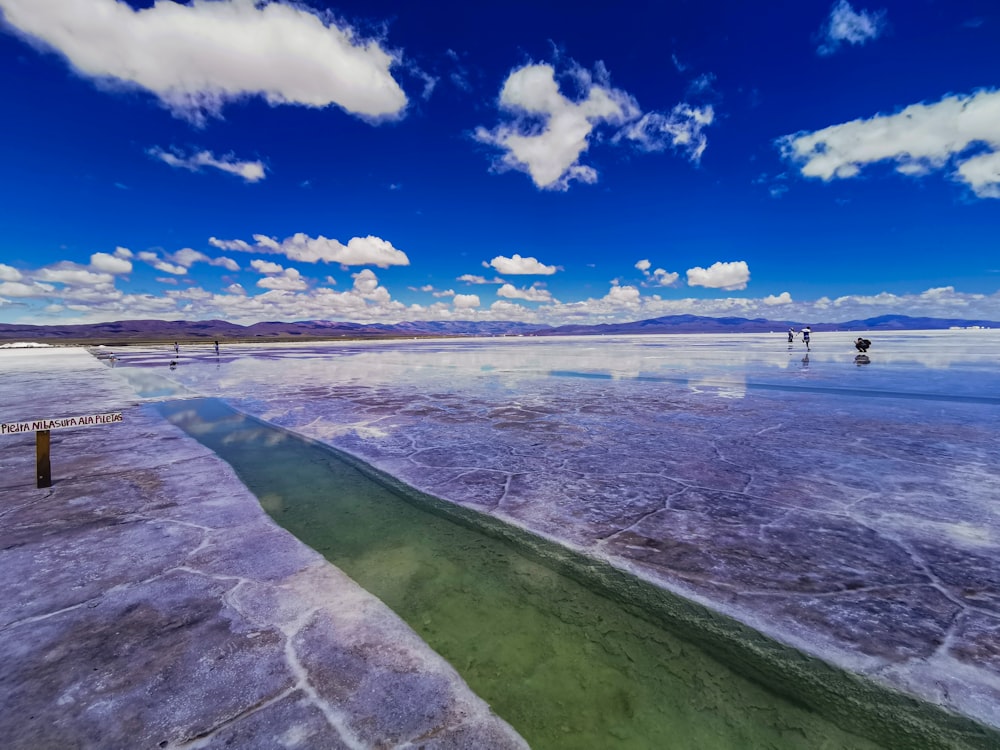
(568, 668)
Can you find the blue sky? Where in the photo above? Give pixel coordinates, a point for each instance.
(537, 161)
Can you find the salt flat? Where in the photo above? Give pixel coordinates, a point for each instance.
(847, 508)
(147, 600)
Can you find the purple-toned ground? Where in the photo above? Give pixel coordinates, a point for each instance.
(148, 601)
(849, 509)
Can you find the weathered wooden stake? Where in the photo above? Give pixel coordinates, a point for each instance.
(43, 467)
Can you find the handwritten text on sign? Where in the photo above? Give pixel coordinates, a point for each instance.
(90, 420)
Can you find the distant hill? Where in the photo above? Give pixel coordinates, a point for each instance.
(136, 331)
(906, 323)
(675, 324)
(699, 324)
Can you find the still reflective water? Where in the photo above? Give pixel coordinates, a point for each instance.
(565, 666)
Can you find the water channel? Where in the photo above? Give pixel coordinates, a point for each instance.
(567, 667)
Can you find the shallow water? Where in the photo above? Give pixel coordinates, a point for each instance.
(565, 666)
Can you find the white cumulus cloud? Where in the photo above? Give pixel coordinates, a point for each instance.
(465, 301)
(516, 265)
(266, 266)
(72, 274)
(665, 278)
(719, 275)
(107, 263)
(250, 171)
(550, 154)
(982, 174)
(848, 25)
(9, 273)
(288, 280)
(22, 289)
(772, 300)
(919, 139)
(547, 132)
(531, 294)
(359, 251)
(195, 57)
(623, 296)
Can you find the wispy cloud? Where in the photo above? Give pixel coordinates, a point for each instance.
(160, 264)
(459, 75)
(198, 56)
(682, 129)
(848, 25)
(920, 139)
(469, 278)
(187, 257)
(250, 171)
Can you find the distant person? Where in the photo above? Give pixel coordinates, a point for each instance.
(791, 335)
(216, 347)
(177, 349)
(806, 332)
(862, 344)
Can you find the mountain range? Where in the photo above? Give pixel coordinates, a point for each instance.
(140, 331)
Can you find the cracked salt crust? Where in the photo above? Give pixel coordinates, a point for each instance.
(847, 511)
(134, 609)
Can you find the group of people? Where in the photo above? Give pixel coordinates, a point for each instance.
(861, 344)
(806, 334)
(177, 352)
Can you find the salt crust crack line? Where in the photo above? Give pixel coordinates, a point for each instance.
(205, 738)
(336, 719)
(506, 490)
(47, 615)
(717, 450)
(601, 540)
(772, 428)
(333, 717)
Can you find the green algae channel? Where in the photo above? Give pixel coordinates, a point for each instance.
(566, 666)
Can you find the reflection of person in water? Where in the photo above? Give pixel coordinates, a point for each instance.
(862, 359)
(862, 344)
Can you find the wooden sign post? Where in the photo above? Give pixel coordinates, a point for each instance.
(42, 428)
(43, 467)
